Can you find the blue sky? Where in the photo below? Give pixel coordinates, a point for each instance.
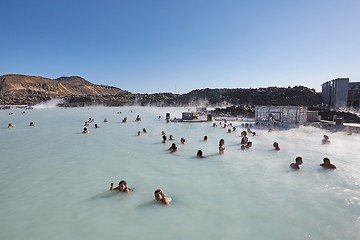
(180, 45)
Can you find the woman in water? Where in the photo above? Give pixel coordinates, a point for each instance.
(221, 146)
(160, 197)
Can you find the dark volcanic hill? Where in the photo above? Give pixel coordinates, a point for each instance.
(76, 91)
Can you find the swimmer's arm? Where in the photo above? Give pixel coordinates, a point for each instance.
(167, 200)
(112, 187)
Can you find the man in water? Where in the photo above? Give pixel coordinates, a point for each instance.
(276, 146)
(86, 131)
(297, 163)
(325, 139)
(327, 164)
(160, 197)
(121, 188)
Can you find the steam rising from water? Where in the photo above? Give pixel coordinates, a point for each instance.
(53, 103)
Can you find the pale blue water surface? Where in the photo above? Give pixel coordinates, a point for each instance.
(54, 180)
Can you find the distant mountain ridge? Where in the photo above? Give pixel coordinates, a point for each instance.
(23, 85)
(75, 91)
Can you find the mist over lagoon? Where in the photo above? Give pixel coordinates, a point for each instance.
(54, 180)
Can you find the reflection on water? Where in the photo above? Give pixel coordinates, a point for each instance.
(54, 181)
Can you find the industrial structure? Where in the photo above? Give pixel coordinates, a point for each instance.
(339, 93)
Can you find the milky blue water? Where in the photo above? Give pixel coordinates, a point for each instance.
(54, 180)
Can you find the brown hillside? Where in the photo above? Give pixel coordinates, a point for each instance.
(14, 84)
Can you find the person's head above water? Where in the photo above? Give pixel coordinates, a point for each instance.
(276, 146)
(199, 154)
(160, 197)
(327, 164)
(297, 163)
(122, 185)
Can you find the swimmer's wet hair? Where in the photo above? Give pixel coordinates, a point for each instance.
(158, 191)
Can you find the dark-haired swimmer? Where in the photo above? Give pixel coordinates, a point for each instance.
(221, 146)
(138, 133)
(11, 125)
(246, 146)
(138, 118)
(164, 138)
(105, 120)
(97, 126)
(276, 146)
(121, 188)
(86, 131)
(182, 140)
(160, 197)
(144, 130)
(325, 140)
(327, 164)
(173, 148)
(171, 137)
(297, 163)
(205, 138)
(199, 154)
(244, 139)
(31, 124)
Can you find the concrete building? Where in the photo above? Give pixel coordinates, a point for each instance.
(339, 93)
(335, 93)
(354, 95)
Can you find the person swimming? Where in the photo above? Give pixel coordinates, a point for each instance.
(31, 124)
(173, 148)
(164, 138)
(121, 188)
(160, 197)
(171, 137)
(86, 131)
(244, 139)
(138, 133)
(325, 140)
(10, 125)
(297, 163)
(97, 126)
(182, 140)
(205, 138)
(138, 118)
(144, 130)
(327, 164)
(199, 154)
(276, 146)
(221, 146)
(124, 120)
(105, 120)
